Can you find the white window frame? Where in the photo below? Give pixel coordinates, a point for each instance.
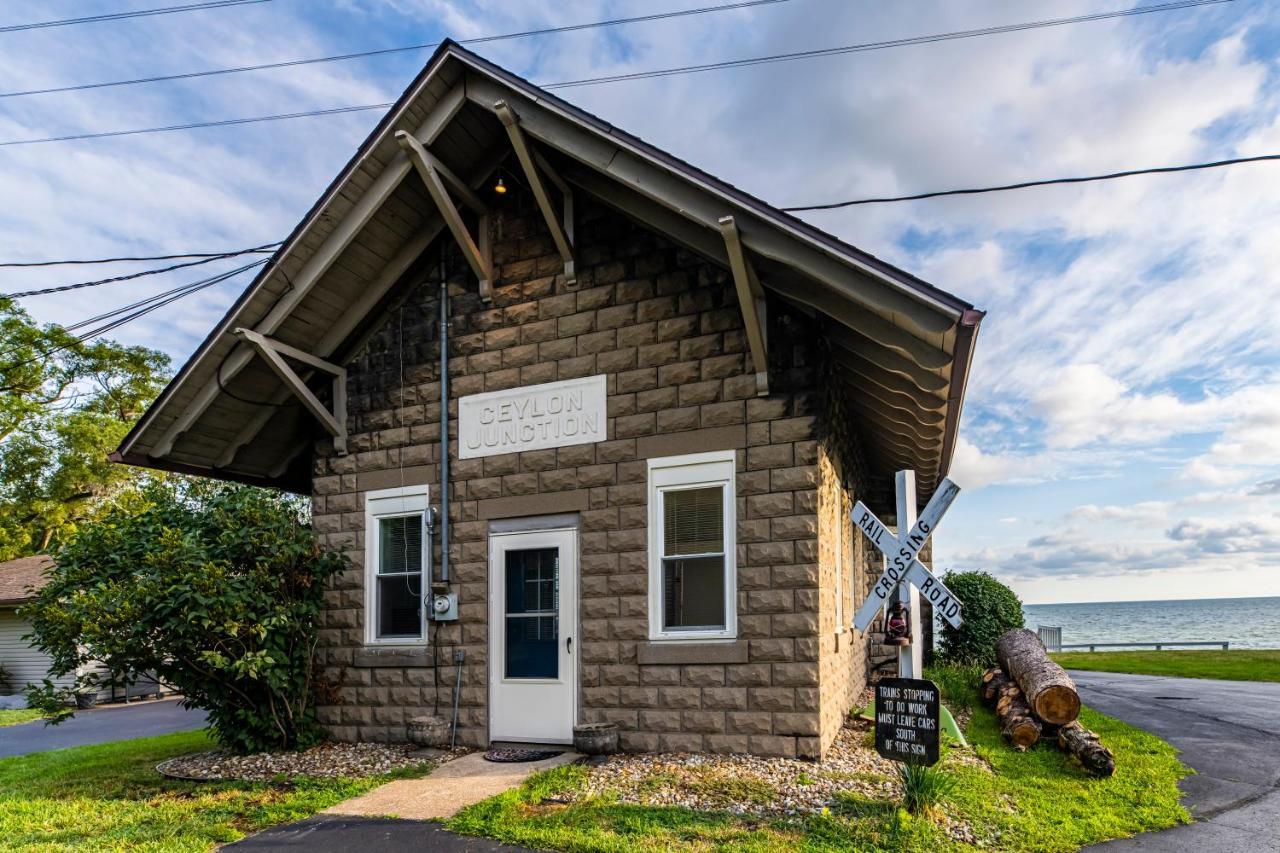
(391, 503)
(691, 471)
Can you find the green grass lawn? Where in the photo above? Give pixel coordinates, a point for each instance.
(1035, 801)
(109, 797)
(12, 718)
(1241, 665)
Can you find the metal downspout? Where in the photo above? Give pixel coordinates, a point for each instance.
(444, 425)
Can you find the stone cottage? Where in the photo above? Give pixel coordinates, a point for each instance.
(663, 397)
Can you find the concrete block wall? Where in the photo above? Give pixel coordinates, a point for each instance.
(664, 327)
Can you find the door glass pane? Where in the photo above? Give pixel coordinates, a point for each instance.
(693, 521)
(400, 606)
(533, 613)
(693, 593)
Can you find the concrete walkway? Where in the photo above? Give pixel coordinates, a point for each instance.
(1228, 731)
(447, 791)
(101, 725)
(402, 816)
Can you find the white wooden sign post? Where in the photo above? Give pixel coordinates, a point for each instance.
(905, 578)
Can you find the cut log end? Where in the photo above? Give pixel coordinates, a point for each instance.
(1058, 704)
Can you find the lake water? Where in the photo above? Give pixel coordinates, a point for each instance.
(1247, 623)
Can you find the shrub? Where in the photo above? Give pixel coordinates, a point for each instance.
(215, 588)
(923, 787)
(990, 609)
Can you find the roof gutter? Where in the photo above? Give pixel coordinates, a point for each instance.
(966, 334)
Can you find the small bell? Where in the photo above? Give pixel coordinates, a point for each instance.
(897, 631)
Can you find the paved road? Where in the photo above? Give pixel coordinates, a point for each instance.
(339, 833)
(1228, 731)
(100, 725)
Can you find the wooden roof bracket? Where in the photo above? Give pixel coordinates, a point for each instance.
(561, 227)
(751, 300)
(434, 174)
(273, 353)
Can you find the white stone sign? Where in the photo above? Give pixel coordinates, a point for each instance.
(535, 417)
(901, 565)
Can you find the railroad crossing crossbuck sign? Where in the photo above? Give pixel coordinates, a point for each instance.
(900, 554)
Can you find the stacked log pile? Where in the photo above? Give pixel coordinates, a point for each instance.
(1034, 699)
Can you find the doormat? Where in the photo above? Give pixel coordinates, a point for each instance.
(517, 756)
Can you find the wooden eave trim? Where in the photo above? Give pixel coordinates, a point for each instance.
(617, 156)
(478, 251)
(750, 301)
(525, 156)
(312, 270)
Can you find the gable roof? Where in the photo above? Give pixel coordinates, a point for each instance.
(902, 345)
(20, 579)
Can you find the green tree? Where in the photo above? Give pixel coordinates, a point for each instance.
(215, 588)
(990, 609)
(64, 405)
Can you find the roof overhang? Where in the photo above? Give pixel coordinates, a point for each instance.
(901, 346)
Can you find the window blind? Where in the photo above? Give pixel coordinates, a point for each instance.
(400, 545)
(693, 521)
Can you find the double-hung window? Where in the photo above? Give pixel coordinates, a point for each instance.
(396, 565)
(692, 536)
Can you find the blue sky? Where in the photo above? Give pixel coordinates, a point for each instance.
(1122, 432)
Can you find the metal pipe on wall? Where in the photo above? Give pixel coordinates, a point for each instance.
(444, 423)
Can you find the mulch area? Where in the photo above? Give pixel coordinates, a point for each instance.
(328, 760)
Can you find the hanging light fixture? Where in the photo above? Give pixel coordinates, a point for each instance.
(500, 188)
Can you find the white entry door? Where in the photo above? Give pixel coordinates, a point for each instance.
(533, 623)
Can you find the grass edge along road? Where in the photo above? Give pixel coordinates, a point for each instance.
(109, 796)
(11, 717)
(1239, 665)
(1034, 801)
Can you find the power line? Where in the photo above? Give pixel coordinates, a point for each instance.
(342, 57)
(665, 72)
(882, 45)
(128, 313)
(1155, 170)
(119, 16)
(62, 288)
(98, 261)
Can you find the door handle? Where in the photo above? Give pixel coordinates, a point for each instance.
(568, 644)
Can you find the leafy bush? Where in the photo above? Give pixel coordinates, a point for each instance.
(923, 787)
(215, 588)
(990, 609)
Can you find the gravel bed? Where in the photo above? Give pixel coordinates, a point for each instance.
(751, 785)
(327, 760)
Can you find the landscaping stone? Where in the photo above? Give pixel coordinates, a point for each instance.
(752, 785)
(326, 761)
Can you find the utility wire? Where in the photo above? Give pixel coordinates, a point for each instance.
(882, 45)
(118, 16)
(130, 276)
(127, 314)
(665, 72)
(268, 247)
(343, 57)
(1155, 170)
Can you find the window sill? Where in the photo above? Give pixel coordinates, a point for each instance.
(385, 654)
(684, 651)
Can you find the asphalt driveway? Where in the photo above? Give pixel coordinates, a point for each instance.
(1228, 731)
(100, 725)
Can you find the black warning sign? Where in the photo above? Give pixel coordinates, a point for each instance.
(907, 712)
